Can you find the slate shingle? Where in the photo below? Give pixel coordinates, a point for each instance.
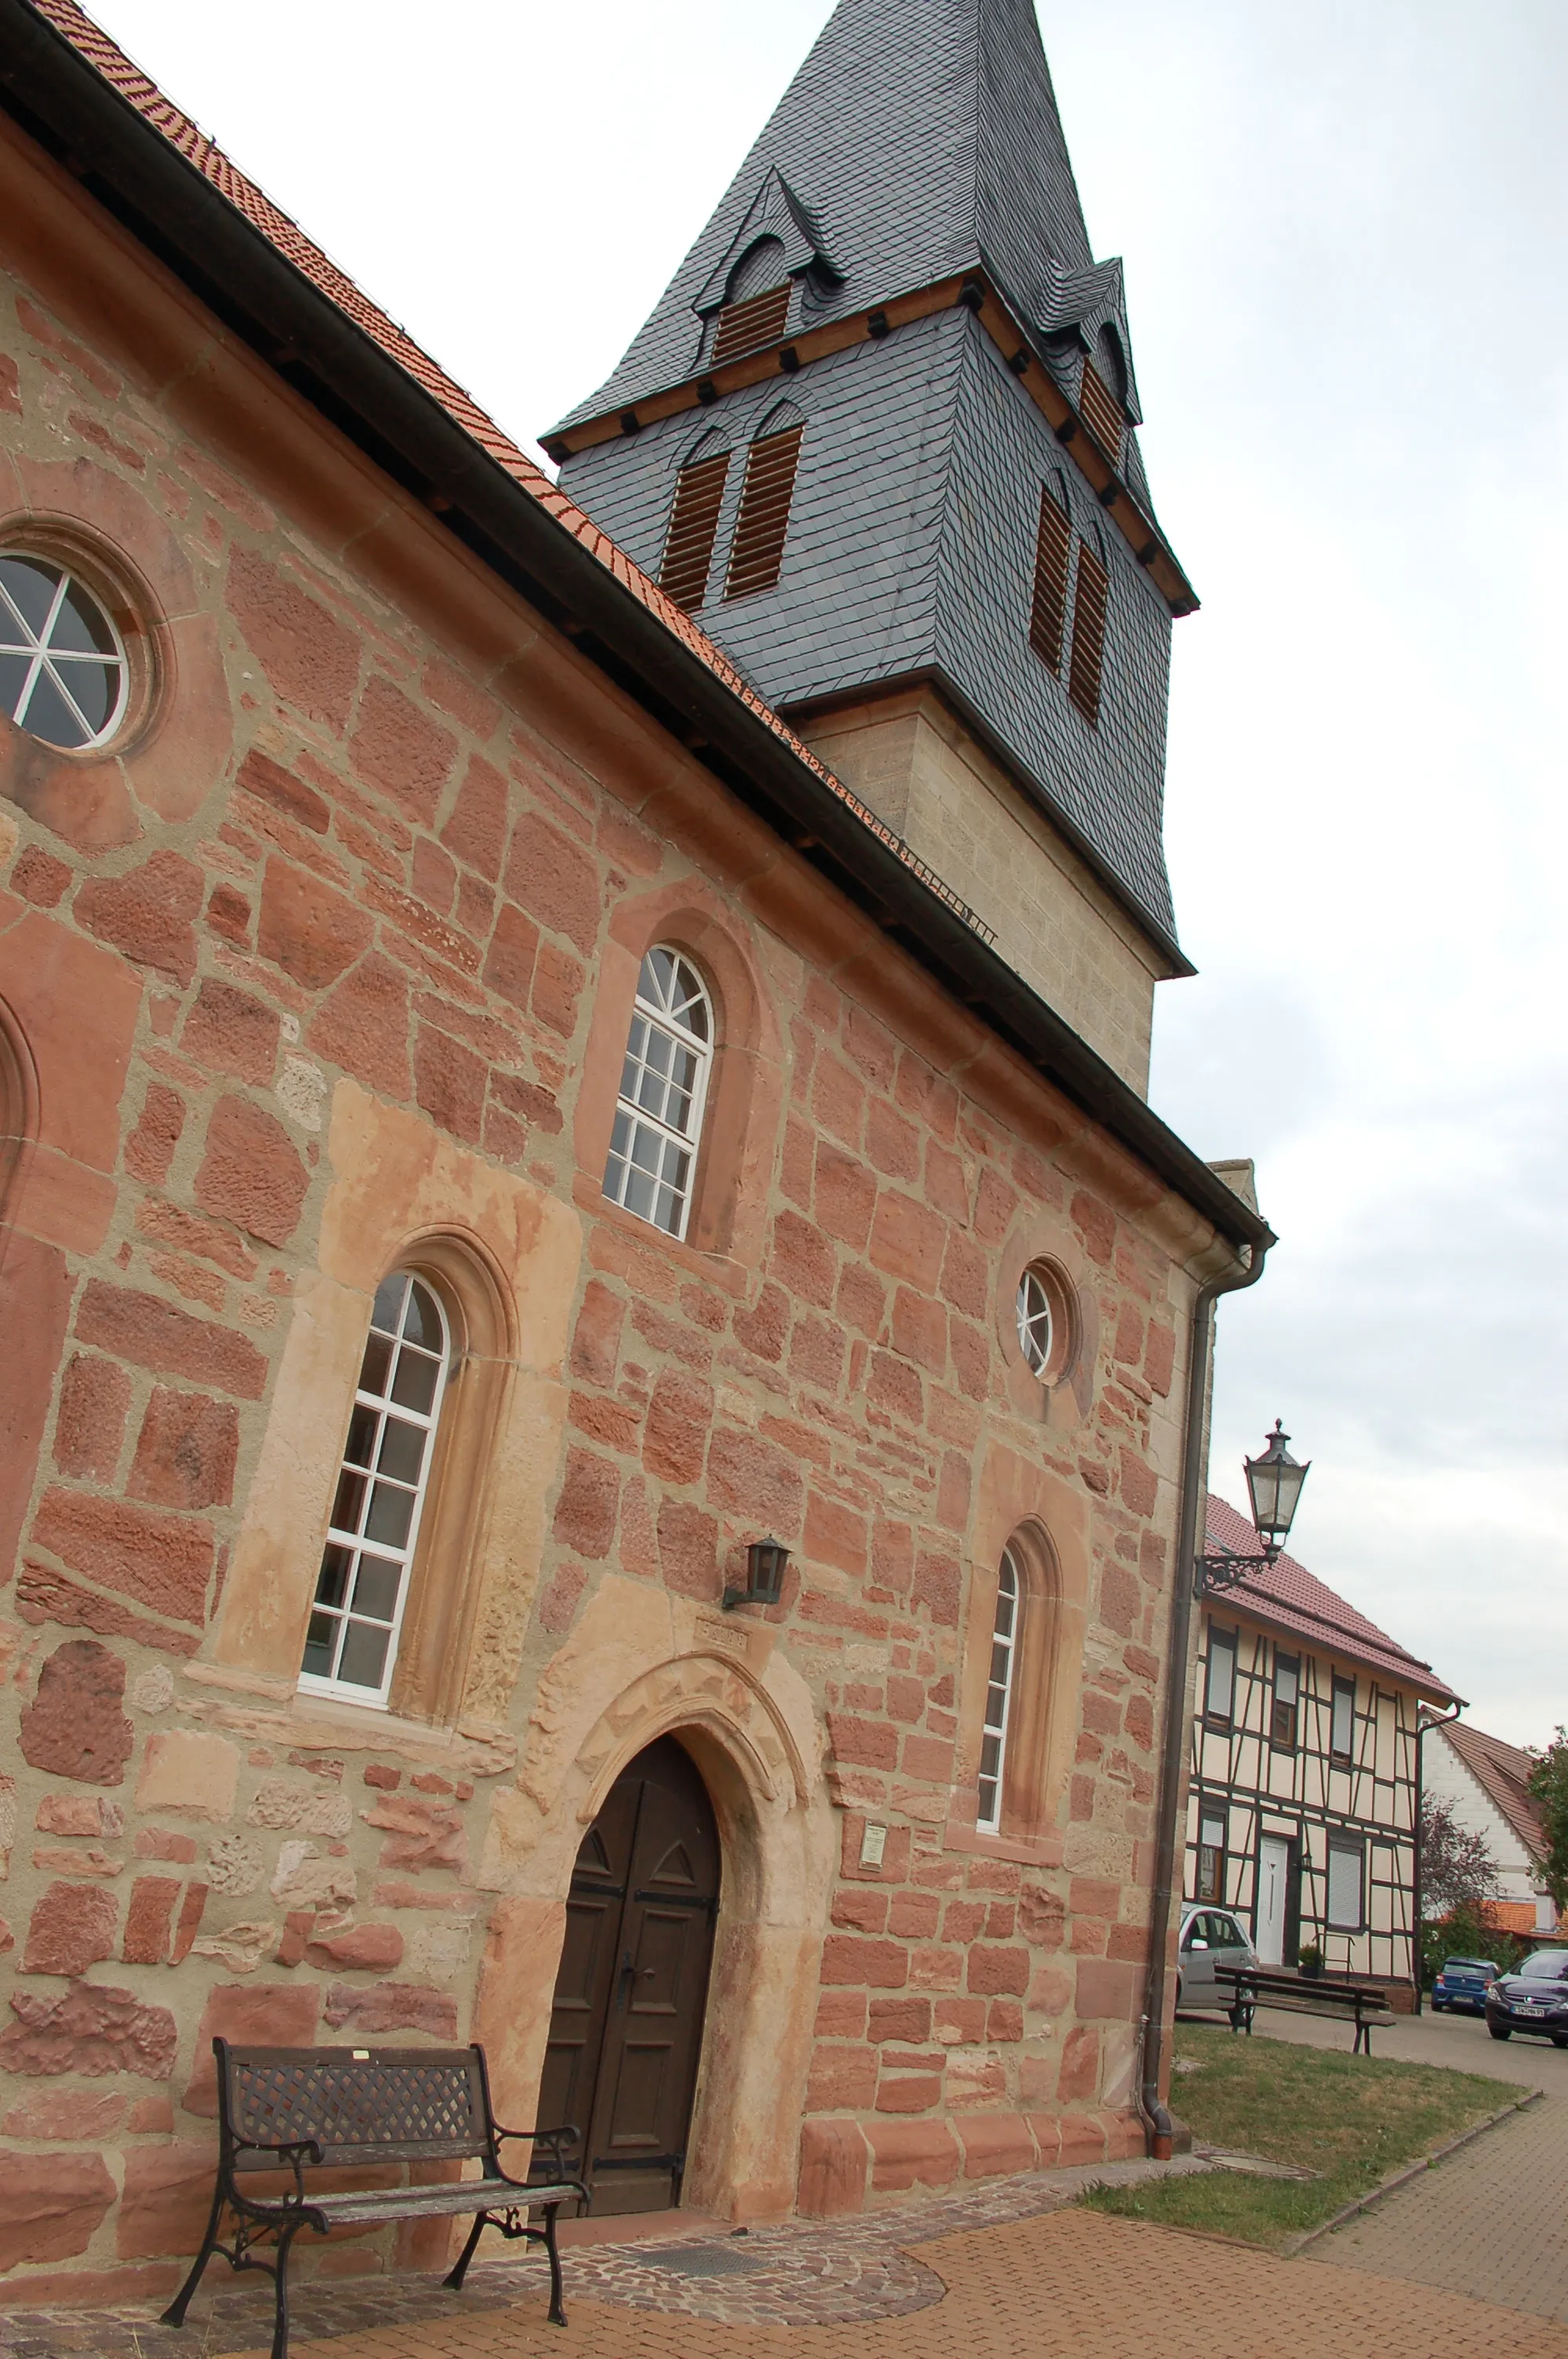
(920, 137)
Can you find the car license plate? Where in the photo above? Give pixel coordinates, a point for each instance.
(1529, 2010)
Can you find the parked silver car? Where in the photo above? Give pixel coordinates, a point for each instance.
(1210, 1937)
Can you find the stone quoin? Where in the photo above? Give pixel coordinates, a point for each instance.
(517, 1086)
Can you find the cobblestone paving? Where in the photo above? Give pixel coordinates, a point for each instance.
(1040, 2288)
(1491, 2222)
(799, 2273)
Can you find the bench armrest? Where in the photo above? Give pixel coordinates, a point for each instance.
(295, 2151)
(552, 2139)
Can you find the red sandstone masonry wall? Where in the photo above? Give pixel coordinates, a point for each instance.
(388, 831)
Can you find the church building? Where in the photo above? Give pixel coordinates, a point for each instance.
(603, 1356)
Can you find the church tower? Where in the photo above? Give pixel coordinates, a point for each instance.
(880, 437)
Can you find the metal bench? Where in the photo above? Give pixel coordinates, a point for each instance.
(352, 2107)
(1255, 1986)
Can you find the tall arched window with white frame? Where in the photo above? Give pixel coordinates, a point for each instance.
(350, 1644)
(999, 1695)
(653, 1146)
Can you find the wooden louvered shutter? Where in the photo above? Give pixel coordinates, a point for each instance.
(1088, 633)
(1048, 614)
(694, 520)
(763, 520)
(746, 327)
(1102, 412)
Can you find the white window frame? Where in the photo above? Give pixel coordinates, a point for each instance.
(1036, 1321)
(378, 1552)
(1222, 1642)
(1347, 1847)
(637, 1123)
(1343, 1692)
(1211, 1817)
(991, 1787)
(18, 637)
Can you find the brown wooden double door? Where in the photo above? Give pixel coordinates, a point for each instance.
(626, 2027)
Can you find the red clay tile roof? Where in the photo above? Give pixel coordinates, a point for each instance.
(1288, 1597)
(107, 60)
(1502, 1771)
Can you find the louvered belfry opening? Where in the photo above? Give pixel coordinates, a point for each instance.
(763, 521)
(1102, 412)
(694, 520)
(1053, 555)
(1088, 633)
(746, 327)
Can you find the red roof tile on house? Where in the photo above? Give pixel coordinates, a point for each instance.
(1502, 1771)
(1288, 1597)
(110, 61)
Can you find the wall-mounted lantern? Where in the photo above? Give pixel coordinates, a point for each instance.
(765, 1562)
(1275, 1485)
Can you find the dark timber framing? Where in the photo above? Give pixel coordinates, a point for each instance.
(1305, 1796)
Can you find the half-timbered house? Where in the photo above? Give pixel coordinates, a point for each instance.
(1301, 1807)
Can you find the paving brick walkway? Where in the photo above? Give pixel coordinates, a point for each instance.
(1491, 2222)
(1057, 2283)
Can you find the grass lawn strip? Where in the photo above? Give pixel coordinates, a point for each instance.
(1352, 2119)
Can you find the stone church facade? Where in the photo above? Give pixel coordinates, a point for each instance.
(444, 1003)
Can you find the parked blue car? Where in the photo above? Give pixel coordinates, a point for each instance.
(1462, 1985)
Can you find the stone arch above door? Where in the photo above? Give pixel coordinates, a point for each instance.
(745, 1717)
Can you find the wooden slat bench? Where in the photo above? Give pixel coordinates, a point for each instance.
(335, 2108)
(1298, 1995)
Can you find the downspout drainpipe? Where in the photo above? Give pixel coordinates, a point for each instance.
(1416, 1943)
(1157, 2124)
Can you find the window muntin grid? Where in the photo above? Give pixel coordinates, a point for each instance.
(1036, 1329)
(351, 1646)
(999, 1695)
(63, 673)
(664, 1087)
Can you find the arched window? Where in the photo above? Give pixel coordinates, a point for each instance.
(663, 1085)
(351, 1646)
(999, 1695)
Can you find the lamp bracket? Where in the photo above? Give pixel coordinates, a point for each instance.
(1214, 1574)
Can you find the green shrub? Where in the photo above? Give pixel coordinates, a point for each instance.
(1466, 1934)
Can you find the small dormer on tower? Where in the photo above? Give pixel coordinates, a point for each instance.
(880, 437)
(767, 278)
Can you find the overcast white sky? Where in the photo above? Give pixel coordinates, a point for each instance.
(1345, 233)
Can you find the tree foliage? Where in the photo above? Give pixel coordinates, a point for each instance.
(1457, 1869)
(1549, 1791)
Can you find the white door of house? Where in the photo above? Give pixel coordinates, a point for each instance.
(1274, 1871)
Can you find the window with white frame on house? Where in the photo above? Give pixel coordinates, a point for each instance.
(1344, 1878)
(1287, 1701)
(1341, 1732)
(1219, 1689)
(1211, 1852)
(999, 1695)
(664, 1087)
(350, 1644)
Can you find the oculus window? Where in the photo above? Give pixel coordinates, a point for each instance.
(63, 672)
(664, 1088)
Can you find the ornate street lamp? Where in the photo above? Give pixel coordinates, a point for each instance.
(765, 1562)
(1275, 1485)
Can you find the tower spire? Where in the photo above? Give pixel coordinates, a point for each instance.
(879, 432)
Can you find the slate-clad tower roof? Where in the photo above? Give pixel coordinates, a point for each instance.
(917, 154)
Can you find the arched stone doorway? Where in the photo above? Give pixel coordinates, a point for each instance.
(630, 1993)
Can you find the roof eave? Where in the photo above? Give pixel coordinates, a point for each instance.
(127, 165)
